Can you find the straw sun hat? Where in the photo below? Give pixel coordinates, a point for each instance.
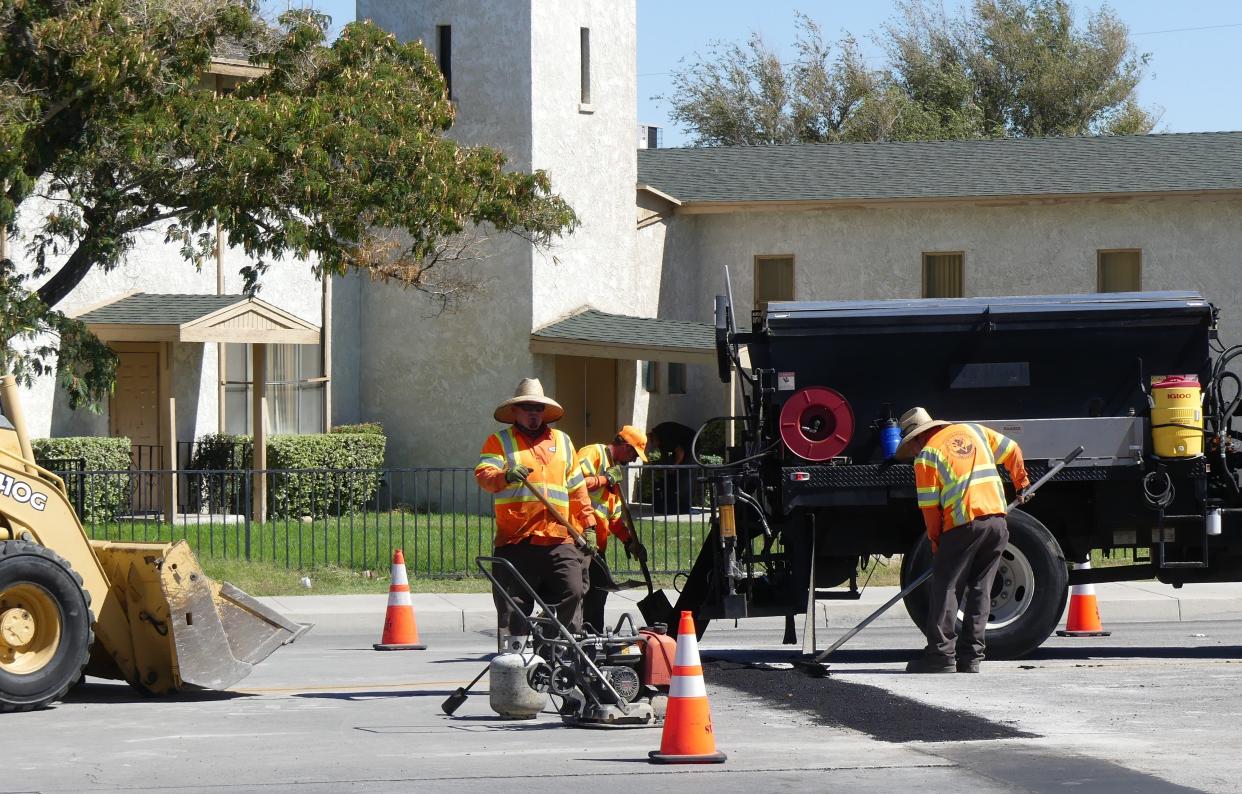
(913, 423)
(530, 390)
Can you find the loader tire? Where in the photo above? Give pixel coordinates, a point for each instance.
(45, 626)
(1028, 595)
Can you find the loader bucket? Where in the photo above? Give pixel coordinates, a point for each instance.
(187, 630)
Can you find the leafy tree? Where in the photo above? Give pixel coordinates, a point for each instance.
(1006, 68)
(336, 153)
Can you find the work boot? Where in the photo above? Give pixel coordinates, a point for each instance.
(971, 666)
(928, 664)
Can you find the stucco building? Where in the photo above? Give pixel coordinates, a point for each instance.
(615, 318)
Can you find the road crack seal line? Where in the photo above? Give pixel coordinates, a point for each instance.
(861, 707)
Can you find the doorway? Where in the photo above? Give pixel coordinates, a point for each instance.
(134, 414)
(587, 389)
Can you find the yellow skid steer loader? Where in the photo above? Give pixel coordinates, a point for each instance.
(139, 612)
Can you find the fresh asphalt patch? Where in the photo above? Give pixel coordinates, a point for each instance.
(860, 707)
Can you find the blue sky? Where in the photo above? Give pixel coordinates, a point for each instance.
(1192, 75)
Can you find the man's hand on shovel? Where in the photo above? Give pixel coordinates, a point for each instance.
(521, 473)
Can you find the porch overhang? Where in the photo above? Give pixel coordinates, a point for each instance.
(595, 334)
(150, 317)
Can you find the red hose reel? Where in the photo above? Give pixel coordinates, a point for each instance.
(816, 423)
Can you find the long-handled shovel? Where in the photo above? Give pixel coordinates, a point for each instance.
(654, 606)
(917, 583)
(598, 567)
(454, 701)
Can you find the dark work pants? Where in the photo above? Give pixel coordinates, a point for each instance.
(962, 571)
(555, 573)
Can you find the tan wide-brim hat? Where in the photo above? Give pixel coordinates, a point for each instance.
(636, 439)
(530, 390)
(913, 423)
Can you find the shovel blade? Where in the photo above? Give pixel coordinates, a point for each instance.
(656, 608)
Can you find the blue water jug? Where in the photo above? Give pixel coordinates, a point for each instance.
(890, 437)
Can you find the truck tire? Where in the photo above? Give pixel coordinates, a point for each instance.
(1028, 595)
(45, 626)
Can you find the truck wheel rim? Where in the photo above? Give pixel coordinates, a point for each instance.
(1012, 590)
(30, 628)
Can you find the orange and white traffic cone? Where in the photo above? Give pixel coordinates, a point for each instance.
(688, 737)
(400, 627)
(1084, 612)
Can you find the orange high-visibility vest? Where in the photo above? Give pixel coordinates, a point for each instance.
(519, 513)
(956, 476)
(605, 501)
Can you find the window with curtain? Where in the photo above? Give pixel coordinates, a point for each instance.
(651, 376)
(1119, 271)
(774, 279)
(295, 389)
(944, 275)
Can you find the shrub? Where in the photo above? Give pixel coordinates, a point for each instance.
(102, 497)
(366, 428)
(323, 493)
(220, 492)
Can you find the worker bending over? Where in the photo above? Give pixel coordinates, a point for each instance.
(963, 502)
(601, 470)
(527, 534)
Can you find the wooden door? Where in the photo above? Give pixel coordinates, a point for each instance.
(134, 413)
(587, 389)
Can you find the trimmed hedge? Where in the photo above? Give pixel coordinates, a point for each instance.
(101, 498)
(368, 428)
(219, 492)
(328, 493)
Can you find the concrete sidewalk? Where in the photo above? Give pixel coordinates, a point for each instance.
(1120, 602)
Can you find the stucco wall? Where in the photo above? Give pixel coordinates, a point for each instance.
(434, 378)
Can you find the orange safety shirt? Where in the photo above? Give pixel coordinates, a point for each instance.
(519, 514)
(957, 479)
(593, 460)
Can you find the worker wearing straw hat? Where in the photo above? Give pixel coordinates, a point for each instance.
(963, 503)
(528, 455)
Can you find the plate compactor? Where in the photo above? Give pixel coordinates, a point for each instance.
(618, 679)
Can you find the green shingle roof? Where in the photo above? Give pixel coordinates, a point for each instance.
(618, 329)
(146, 309)
(947, 169)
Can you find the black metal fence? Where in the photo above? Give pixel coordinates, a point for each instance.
(354, 518)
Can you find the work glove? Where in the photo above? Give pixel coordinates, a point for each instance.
(613, 475)
(1023, 496)
(636, 549)
(516, 474)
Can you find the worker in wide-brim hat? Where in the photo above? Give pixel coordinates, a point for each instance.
(526, 455)
(962, 499)
(601, 470)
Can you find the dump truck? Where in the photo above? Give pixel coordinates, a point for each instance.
(144, 613)
(808, 491)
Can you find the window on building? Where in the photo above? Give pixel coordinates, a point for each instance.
(676, 378)
(944, 275)
(774, 279)
(1119, 271)
(651, 376)
(584, 49)
(295, 386)
(444, 55)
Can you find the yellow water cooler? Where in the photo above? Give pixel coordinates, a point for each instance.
(1177, 416)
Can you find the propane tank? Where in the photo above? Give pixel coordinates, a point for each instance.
(510, 693)
(1176, 416)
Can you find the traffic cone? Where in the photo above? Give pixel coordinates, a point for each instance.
(1084, 612)
(688, 737)
(400, 628)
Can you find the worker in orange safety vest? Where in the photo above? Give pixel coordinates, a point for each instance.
(601, 470)
(527, 534)
(962, 498)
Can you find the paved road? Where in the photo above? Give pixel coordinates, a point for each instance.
(1151, 708)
